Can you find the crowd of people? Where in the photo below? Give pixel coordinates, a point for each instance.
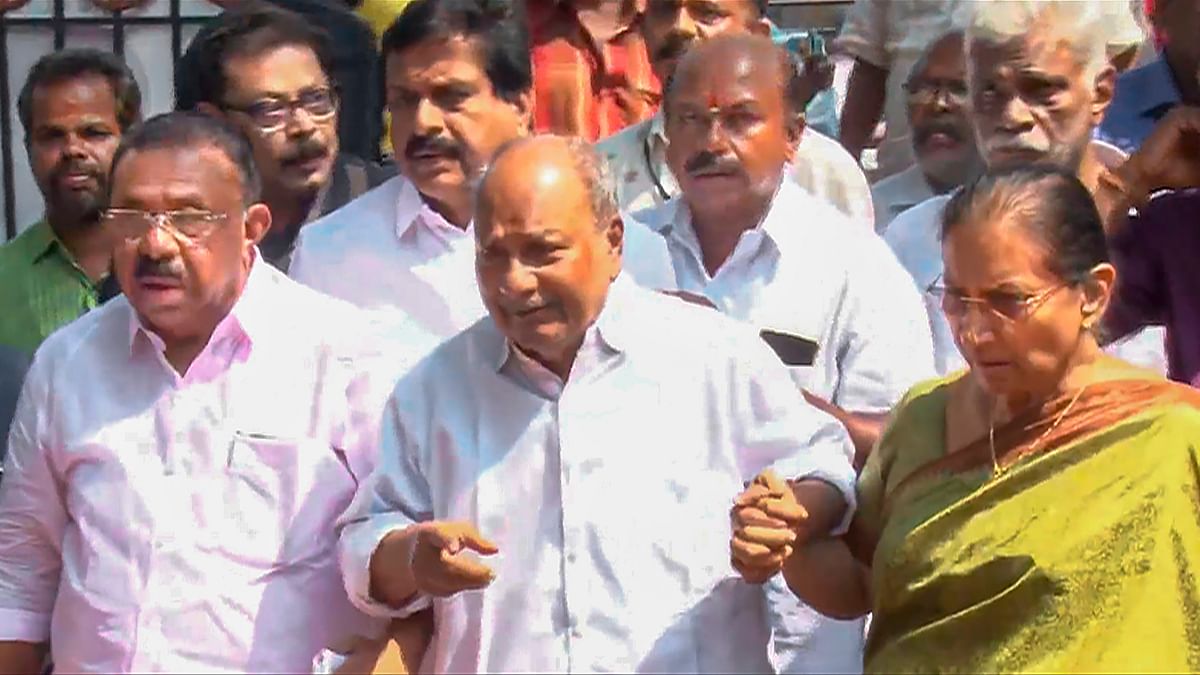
(634, 371)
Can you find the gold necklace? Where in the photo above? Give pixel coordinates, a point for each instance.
(998, 470)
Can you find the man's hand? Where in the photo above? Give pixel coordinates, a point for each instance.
(118, 5)
(766, 518)
(438, 567)
(1169, 159)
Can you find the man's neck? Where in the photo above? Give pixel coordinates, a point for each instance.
(289, 211)
(719, 232)
(87, 242)
(1184, 71)
(1089, 172)
(456, 212)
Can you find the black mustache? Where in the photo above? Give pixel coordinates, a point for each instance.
(304, 151)
(75, 166)
(432, 144)
(710, 161)
(675, 45)
(923, 133)
(152, 267)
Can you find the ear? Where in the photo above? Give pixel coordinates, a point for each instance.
(760, 27)
(257, 223)
(1102, 92)
(614, 236)
(1096, 293)
(794, 131)
(210, 109)
(523, 106)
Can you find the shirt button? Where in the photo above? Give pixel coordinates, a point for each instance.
(572, 558)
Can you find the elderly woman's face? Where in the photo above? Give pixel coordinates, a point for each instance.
(1020, 340)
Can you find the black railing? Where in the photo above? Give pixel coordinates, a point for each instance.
(60, 24)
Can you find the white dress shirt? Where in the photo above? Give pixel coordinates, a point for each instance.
(638, 158)
(153, 522)
(916, 238)
(389, 253)
(805, 271)
(898, 193)
(608, 495)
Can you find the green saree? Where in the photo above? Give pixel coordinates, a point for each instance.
(1081, 556)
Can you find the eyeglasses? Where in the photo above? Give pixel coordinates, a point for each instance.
(188, 226)
(926, 91)
(1005, 305)
(273, 114)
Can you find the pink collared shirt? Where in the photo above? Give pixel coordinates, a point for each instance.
(157, 522)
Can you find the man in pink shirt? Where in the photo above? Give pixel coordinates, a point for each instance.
(179, 456)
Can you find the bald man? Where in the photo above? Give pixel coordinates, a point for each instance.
(546, 485)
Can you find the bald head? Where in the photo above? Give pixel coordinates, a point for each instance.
(548, 243)
(743, 56)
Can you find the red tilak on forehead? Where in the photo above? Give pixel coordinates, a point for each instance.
(713, 104)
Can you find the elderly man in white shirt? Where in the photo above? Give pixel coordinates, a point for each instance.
(179, 456)
(587, 439)
(638, 153)
(829, 297)
(941, 132)
(1030, 105)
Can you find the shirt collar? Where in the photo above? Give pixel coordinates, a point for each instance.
(411, 207)
(248, 320)
(673, 219)
(42, 240)
(610, 329)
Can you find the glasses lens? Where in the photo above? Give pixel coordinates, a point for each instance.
(318, 103)
(126, 224)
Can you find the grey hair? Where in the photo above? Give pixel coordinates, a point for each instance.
(589, 164)
(922, 62)
(1085, 26)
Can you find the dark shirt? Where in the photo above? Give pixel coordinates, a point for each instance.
(1156, 254)
(356, 67)
(1143, 97)
(350, 178)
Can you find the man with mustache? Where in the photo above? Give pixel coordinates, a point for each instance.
(179, 456)
(74, 107)
(638, 153)
(267, 71)
(941, 132)
(458, 85)
(1039, 81)
(503, 453)
(829, 297)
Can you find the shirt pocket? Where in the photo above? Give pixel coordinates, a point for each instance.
(282, 497)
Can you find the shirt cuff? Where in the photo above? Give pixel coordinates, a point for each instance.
(842, 480)
(358, 543)
(18, 625)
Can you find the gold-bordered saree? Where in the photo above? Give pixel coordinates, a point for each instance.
(1080, 556)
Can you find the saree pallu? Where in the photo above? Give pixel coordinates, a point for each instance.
(1080, 556)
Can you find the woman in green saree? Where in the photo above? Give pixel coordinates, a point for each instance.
(1039, 512)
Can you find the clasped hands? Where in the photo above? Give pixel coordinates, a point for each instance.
(768, 524)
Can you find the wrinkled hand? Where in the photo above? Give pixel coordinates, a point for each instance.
(1170, 156)
(765, 517)
(438, 566)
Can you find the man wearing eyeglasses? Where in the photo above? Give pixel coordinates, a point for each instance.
(267, 71)
(180, 455)
(941, 132)
(1039, 81)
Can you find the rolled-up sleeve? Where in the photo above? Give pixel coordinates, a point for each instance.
(395, 496)
(885, 346)
(33, 519)
(864, 33)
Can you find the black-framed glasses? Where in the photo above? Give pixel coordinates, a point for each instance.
(188, 226)
(1008, 306)
(926, 91)
(272, 114)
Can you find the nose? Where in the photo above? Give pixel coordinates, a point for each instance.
(300, 123)
(75, 147)
(683, 23)
(518, 281)
(1015, 116)
(973, 325)
(428, 119)
(157, 243)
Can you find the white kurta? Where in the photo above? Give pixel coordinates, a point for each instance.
(608, 496)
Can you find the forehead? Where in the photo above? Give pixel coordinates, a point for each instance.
(718, 79)
(1039, 50)
(199, 175)
(946, 55)
(434, 61)
(528, 198)
(281, 69)
(986, 254)
(84, 95)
